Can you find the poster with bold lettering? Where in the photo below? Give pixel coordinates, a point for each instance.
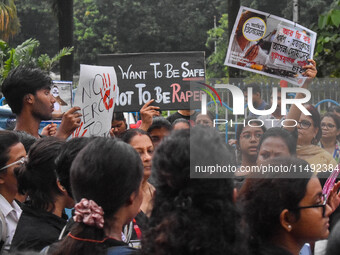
(174, 80)
(270, 45)
(96, 95)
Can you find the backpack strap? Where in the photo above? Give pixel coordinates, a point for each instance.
(62, 233)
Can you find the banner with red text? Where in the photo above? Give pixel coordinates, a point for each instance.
(270, 45)
(165, 77)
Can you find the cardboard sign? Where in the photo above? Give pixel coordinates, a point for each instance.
(166, 77)
(96, 95)
(270, 45)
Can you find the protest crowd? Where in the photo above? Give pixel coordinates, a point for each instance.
(172, 185)
(131, 192)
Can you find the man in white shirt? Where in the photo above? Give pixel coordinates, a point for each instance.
(12, 156)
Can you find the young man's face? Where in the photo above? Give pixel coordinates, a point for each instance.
(256, 97)
(43, 105)
(158, 134)
(118, 126)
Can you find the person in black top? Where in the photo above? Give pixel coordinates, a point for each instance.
(42, 218)
(108, 189)
(27, 92)
(189, 115)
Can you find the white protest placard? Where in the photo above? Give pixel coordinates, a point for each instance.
(270, 45)
(96, 95)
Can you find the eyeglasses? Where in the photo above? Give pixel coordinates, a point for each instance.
(323, 205)
(248, 136)
(20, 162)
(327, 125)
(305, 124)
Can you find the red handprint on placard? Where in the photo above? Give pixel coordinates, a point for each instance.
(77, 131)
(106, 92)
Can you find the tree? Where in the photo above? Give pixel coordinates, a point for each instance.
(309, 11)
(215, 62)
(94, 30)
(9, 22)
(105, 26)
(64, 10)
(233, 8)
(328, 44)
(25, 55)
(37, 21)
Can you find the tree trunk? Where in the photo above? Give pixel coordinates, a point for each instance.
(65, 20)
(233, 8)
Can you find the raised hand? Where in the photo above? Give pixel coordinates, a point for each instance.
(70, 121)
(147, 112)
(334, 197)
(310, 69)
(49, 130)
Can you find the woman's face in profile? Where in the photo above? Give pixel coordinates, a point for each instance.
(312, 225)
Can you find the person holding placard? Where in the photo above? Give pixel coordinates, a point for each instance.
(309, 134)
(27, 92)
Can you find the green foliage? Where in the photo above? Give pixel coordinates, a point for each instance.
(328, 44)
(94, 31)
(21, 55)
(308, 10)
(47, 63)
(39, 22)
(105, 26)
(126, 26)
(25, 54)
(9, 22)
(215, 62)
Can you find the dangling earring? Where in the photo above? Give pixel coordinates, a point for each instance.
(314, 141)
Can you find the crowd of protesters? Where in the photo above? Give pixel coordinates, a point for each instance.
(136, 192)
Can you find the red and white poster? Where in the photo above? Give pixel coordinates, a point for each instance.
(270, 45)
